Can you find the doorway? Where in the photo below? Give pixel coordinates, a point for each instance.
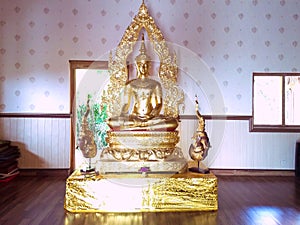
(87, 80)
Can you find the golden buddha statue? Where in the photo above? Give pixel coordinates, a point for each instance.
(142, 112)
(140, 132)
(145, 96)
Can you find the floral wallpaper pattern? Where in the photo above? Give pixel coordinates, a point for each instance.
(234, 38)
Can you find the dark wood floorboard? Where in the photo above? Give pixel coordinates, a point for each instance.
(243, 200)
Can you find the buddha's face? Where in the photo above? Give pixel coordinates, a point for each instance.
(143, 67)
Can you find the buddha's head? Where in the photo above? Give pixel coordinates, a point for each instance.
(142, 61)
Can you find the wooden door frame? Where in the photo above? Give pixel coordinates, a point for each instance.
(78, 64)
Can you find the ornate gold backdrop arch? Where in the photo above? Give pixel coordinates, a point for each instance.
(118, 71)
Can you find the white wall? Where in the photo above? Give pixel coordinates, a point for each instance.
(232, 39)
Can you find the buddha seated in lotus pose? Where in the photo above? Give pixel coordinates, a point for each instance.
(140, 132)
(145, 97)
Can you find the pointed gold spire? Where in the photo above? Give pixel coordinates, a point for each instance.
(142, 56)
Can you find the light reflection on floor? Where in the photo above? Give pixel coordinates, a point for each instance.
(270, 215)
(182, 218)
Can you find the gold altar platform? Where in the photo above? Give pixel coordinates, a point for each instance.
(139, 193)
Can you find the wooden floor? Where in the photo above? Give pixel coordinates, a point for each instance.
(243, 200)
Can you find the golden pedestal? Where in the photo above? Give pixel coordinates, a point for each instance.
(139, 193)
(141, 145)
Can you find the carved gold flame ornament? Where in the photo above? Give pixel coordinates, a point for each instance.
(168, 69)
(86, 141)
(199, 148)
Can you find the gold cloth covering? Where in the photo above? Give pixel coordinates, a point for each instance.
(135, 193)
(134, 218)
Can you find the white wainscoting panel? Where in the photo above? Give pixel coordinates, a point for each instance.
(234, 147)
(43, 142)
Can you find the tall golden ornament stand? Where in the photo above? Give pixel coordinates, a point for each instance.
(142, 192)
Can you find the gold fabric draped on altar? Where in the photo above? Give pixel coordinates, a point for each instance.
(131, 193)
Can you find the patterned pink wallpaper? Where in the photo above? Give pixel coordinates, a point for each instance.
(234, 38)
